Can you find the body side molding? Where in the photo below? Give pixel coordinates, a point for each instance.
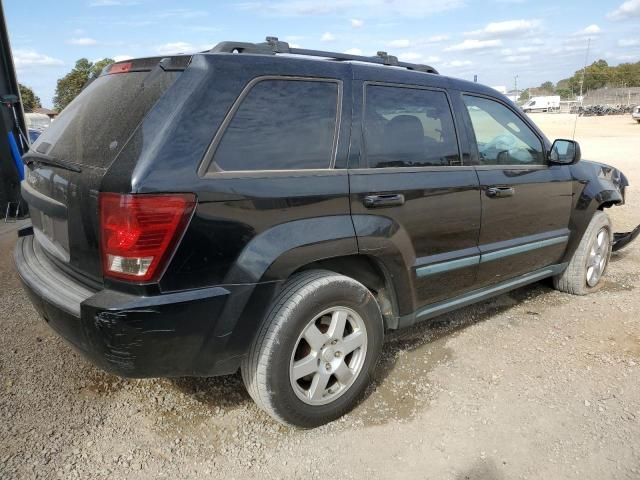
(433, 310)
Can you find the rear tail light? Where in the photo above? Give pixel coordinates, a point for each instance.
(119, 68)
(139, 232)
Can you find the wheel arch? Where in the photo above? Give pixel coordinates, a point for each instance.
(370, 272)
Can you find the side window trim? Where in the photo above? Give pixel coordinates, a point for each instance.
(363, 145)
(207, 159)
(474, 141)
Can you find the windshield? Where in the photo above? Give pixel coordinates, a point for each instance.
(96, 125)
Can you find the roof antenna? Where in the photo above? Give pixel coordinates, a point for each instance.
(584, 71)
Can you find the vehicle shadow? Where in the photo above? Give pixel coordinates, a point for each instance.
(228, 392)
(449, 324)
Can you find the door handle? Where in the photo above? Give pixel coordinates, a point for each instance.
(385, 200)
(500, 192)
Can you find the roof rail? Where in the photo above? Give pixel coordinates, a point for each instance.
(273, 46)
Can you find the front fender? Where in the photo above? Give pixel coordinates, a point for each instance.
(595, 185)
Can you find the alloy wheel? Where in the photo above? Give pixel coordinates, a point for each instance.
(328, 355)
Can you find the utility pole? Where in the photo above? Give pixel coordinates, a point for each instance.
(584, 70)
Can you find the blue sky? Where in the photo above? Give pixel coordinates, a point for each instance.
(537, 40)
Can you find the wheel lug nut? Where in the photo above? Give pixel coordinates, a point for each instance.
(328, 366)
(338, 354)
(334, 342)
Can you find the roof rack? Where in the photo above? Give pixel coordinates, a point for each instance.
(273, 46)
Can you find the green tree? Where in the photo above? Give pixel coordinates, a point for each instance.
(524, 96)
(565, 93)
(626, 74)
(596, 75)
(96, 68)
(547, 87)
(29, 99)
(69, 86)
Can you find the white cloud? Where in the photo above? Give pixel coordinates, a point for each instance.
(569, 49)
(517, 58)
(592, 29)
(173, 48)
(628, 58)
(459, 63)
(507, 28)
(513, 51)
(410, 56)
(372, 8)
(437, 38)
(357, 23)
(473, 44)
(113, 3)
(400, 43)
(629, 42)
(327, 37)
(183, 13)
(353, 51)
(627, 10)
(24, 59)
(122, 58)
(82, 41)
(415, 57)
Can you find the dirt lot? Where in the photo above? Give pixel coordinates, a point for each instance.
(532, 384)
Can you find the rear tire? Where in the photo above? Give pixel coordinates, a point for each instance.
(316, 350)
(587, 267)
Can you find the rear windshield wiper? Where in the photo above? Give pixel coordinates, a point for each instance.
(31, 157)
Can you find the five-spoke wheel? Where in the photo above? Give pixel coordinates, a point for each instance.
(328, 355)
(598, 256)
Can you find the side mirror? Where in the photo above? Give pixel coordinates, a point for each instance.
(565, 152)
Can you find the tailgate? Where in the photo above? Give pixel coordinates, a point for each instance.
(70, 159)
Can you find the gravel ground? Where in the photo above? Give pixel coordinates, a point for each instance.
(532, 384)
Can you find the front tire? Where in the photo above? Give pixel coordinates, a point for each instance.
(584, 273)
(316, 351)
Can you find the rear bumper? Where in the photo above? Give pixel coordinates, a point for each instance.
(187, 333)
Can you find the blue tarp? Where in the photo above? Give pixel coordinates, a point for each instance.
(15, 153)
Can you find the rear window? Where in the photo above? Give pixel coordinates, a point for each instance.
(281, 125)
(95, 126)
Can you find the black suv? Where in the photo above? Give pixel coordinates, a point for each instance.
(243, 209)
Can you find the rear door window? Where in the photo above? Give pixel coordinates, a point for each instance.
(281, 124)
(97, 123)
(407, 127)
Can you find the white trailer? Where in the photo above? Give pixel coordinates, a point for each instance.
(542, 104)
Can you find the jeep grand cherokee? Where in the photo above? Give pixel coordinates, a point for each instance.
(244, 209)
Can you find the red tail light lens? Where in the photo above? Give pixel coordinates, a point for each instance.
(119, 67)
(140, 232)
